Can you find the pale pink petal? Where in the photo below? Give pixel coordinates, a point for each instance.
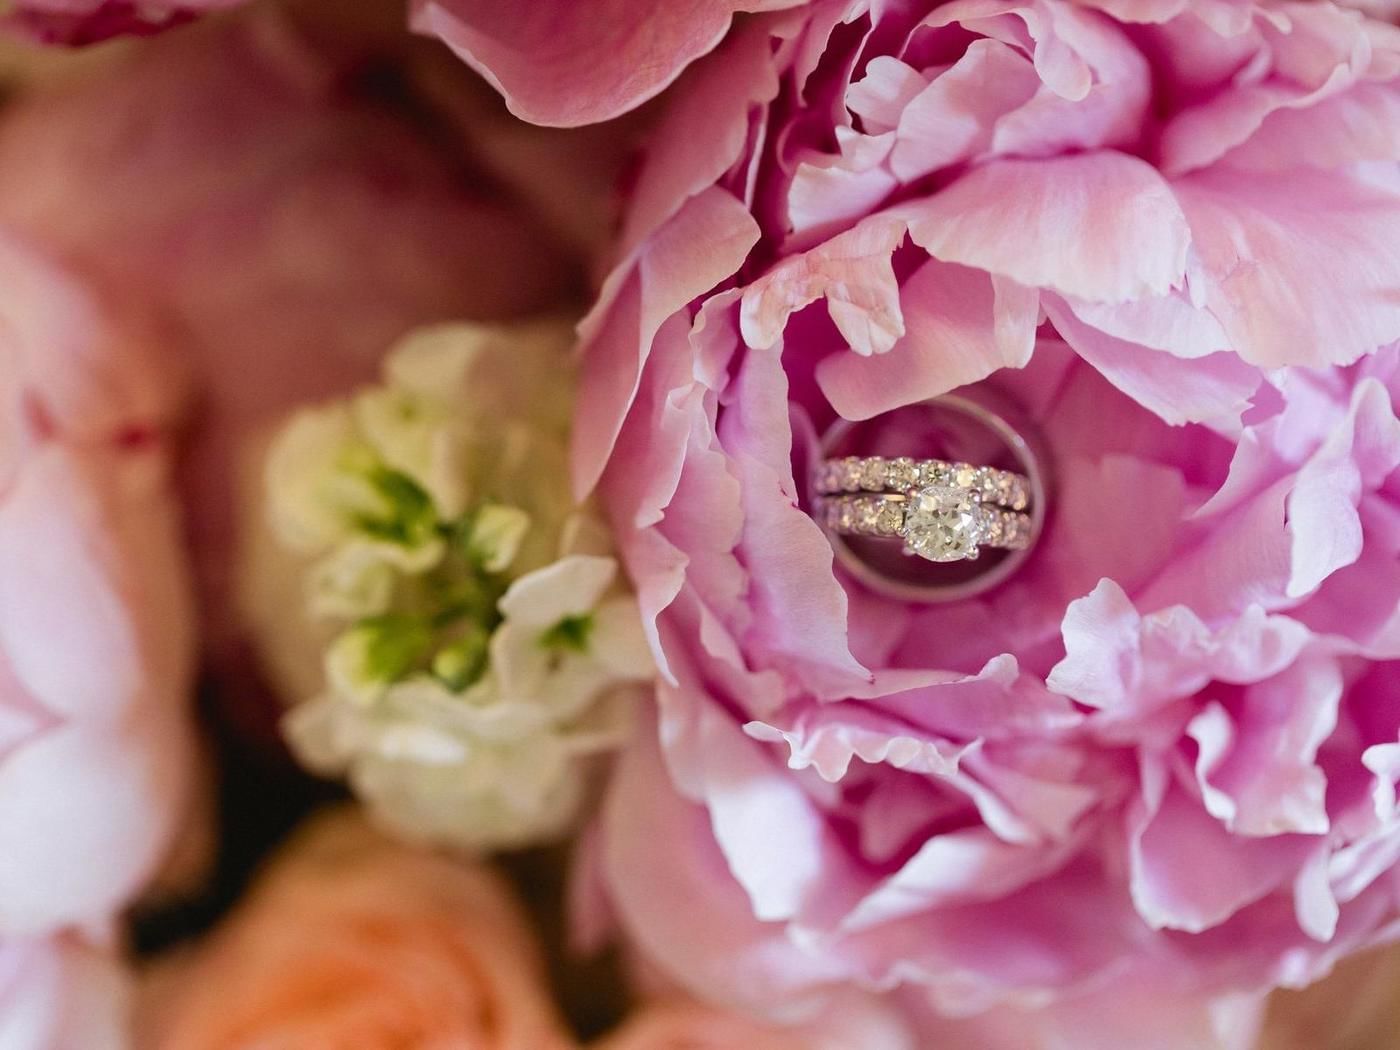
(1322, 517)
(958, 329)
(1299, 267)
(1266, 776)
(60, 992)
(1189, 873)
(96, 618)
(799, 607)
(682, 904)
(1211, 389)
(112, 786)
(853, 272)
(1099, 226)
(953, 119)
(702, 245)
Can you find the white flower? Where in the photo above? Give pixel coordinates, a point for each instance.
(352, 582)
(496, 535)
(374, 654)
(503, 763)
(328, 486)
(477, 770)
(484, 652)
(562, 640)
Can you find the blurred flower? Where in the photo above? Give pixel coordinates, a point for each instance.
(350, 940)
(77, 22)
(58, 993)
(278, 194)
(96, 633)
(479, 649)
(1354, 1008)
(678, 1024)
(96, 753)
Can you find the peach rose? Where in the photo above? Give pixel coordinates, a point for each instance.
(681, 1024)
(350, 940)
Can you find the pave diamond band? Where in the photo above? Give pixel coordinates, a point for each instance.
(940, 522)
(851, 474)
(943, 510)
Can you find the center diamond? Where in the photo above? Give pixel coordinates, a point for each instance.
(941, 523)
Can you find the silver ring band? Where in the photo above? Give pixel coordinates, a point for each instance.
(1005, 488)
(940, 524)
(944, 510)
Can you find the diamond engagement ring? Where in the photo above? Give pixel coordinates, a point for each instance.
(942, 510)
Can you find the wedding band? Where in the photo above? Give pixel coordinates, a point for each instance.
(877, 474)
(941, 510)
(939, 522)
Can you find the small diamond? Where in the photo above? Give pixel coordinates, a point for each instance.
(987, 483)
(965, 475)
(1006, 487)
(903, 474)
(993, 529)
(867, 515)
(850, 474)
(936, 472)
(845, 516)
(890, 519)
(872, 475)
(1020, 495)
(941, 523)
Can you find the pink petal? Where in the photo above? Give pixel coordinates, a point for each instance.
(563, 63)
(95, 617)
(954, 117)
(702, 245)
(682, 904)
(61, 992)
(1189, 873)
(1099, 226)
(1212, 389)
(853, 271)
(116, 788)
(799, 608)
(1299, 268)
(959, 328)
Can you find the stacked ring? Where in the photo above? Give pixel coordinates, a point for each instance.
(943, 511)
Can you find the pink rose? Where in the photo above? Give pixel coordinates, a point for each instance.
(78, 22)
(351, 940)
(96, 753)
(1164, 751)
(59, 993)
(95, 620)
(252, 181)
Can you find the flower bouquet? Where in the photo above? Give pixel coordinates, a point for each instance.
(824, 524)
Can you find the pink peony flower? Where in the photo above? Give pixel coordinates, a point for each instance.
(1162, 753)
(78, 22)
(350, 940)
(287, 218)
